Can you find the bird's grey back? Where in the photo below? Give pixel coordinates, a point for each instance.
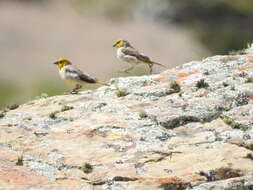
(76, 74)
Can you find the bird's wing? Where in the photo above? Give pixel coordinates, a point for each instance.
(136, 54)
(77, 74)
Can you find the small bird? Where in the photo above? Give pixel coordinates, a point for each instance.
(128, 54)
(72, 75)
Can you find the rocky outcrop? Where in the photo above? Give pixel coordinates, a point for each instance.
(190, 127)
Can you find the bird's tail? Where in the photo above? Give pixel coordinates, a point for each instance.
(158, 64)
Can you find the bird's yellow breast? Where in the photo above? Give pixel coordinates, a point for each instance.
(68, 82)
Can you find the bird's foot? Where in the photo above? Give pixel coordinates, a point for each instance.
(74, 91)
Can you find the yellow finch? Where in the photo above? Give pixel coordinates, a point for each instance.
(72, 75)
(128, 54)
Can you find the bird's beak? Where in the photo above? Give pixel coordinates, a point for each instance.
(114, 45)
(56, 62)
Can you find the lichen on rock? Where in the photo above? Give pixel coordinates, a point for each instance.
(164, 131)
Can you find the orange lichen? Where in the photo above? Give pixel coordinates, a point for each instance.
(110, 122)
(250, 58)
(182, 76)
(204, 94)
(160, 78)
(251, 98)
(91, 133)
(173, 179)
(163, 76)
(146, 84)
(244, 68)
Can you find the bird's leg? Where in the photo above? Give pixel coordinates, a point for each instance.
(75, 90)
(79, 86)
(128, 69)
(150, 68)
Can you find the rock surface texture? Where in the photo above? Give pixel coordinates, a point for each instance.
(190, 127)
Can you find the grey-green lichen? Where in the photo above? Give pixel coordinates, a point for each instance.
(221, 173)
(28, 118)
(248, 146)
(120, 92)
(53, 114)
(66, 108)
(172, 123)
(235, 125)
(249, 79)
(143, 114)
(86, 168)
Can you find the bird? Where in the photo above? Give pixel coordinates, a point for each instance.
(73, 76)
(128, 54)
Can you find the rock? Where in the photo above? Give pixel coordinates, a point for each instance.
(166, 131)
